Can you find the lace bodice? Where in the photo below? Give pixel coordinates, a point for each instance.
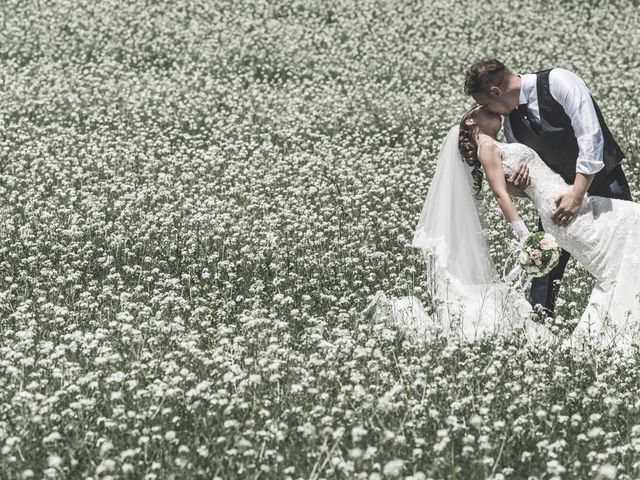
(546, 184)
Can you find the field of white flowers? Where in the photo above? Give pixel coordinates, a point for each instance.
(196, 199)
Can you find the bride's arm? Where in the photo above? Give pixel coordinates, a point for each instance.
(489, 157)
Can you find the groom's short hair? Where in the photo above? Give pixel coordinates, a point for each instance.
(484, 74)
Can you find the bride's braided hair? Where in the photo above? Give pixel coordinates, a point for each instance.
(469, 149)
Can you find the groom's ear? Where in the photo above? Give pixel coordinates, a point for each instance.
(495, 91)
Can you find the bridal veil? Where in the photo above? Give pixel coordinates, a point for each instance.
(469, 298)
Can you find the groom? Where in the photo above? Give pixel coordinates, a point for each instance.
(553, 112)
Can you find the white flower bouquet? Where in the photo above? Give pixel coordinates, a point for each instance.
(540, 253)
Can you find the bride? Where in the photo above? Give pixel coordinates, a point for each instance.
(470, 299)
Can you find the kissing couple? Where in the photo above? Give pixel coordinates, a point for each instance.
(560, 155)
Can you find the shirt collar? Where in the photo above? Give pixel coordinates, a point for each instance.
(527, 86)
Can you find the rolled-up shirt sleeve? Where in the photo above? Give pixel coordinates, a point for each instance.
(572, 93)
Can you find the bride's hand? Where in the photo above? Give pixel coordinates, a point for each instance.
(520, 176)
(513, 190)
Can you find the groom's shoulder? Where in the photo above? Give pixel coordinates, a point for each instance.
(557, 72)
(542, 72)
(557, 77)
(561, 75)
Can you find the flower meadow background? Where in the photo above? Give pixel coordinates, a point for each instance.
(197, 198)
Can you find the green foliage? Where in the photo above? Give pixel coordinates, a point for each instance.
(196, 199)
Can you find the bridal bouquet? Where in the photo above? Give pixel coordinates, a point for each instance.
(540, 253)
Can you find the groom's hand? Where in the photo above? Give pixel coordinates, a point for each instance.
(567, 206)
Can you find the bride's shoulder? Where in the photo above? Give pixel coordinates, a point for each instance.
(488, 144)
(517, 150)
(511, 145)
(516, 145)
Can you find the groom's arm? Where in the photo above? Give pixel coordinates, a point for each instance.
(572, 93)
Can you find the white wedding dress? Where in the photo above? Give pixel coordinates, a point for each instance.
(604, 238)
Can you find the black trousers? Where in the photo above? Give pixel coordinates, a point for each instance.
(545, 289)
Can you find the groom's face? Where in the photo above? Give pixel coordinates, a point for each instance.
(494, 100)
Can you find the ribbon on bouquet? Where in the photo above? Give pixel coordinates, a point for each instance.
(514, 277)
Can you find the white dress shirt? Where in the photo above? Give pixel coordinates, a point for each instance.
(572, 93)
